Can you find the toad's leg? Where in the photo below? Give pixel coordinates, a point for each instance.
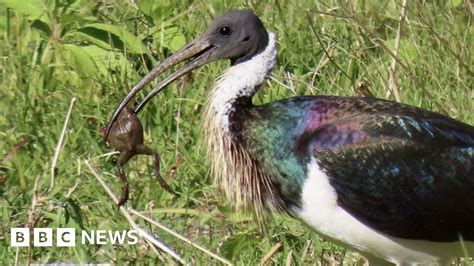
(123, 159)
(142, 149)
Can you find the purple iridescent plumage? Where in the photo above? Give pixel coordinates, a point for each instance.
(392, 165)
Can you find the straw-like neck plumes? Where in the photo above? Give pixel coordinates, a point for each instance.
(233, 167)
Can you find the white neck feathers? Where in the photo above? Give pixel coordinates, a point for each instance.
(241, 80)
(233, 168)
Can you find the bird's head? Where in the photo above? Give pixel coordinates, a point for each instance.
(237, 35)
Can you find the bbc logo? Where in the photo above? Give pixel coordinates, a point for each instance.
(43, 237)
(66, 237)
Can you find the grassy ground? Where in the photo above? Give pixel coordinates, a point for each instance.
(52, 51)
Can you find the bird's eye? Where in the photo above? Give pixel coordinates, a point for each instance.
(225, 31)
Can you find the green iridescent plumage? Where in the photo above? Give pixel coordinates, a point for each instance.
(382, 157)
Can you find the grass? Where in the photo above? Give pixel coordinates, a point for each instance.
(63, 50)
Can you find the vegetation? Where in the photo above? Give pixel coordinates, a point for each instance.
(52, 51)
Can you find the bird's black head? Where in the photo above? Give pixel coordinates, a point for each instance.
(237, 35)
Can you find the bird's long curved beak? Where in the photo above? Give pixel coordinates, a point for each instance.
(198, 50)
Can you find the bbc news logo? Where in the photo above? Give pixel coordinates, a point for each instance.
(66, 237)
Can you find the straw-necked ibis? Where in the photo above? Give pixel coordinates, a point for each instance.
(394, 182)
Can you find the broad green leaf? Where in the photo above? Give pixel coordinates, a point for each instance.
(96, 37)
(114, 37)
(453, 3)
(77, 58)
(96, 52)
(173, 38)
(67, 19)
(170, 37)
(31, 8)
(40, 25)
(106, 60)
(149, 6)
(158, 10)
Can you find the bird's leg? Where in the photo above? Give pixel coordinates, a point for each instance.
(123, 159)
(142, 149)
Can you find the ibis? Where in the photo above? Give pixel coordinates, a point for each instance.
(391, 181)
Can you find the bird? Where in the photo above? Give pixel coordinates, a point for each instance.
(391, 181)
